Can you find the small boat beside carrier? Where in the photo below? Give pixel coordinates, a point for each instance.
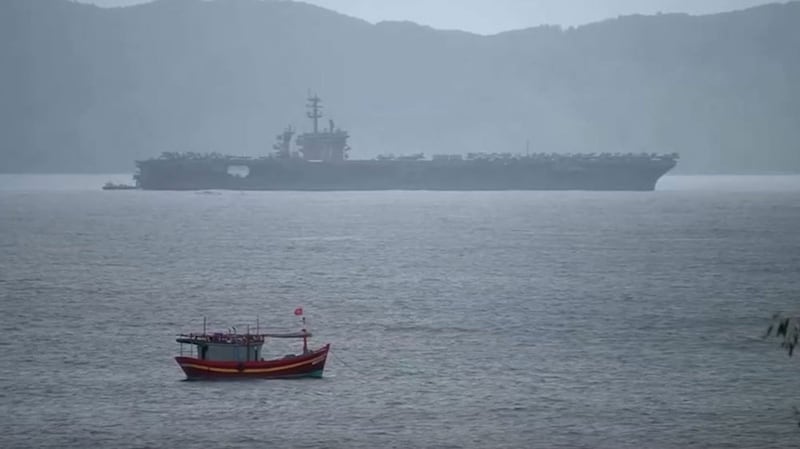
(232, 355)
(111, 186)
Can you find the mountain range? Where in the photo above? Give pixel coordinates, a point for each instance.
(90, 89)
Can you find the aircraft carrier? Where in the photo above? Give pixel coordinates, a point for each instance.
(318, 160)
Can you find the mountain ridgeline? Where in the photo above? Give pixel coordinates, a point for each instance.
(92, 89)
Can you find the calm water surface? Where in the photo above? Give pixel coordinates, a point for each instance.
(457, 319)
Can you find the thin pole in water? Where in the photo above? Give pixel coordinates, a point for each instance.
(204, 325)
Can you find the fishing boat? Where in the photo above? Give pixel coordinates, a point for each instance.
(232, 355)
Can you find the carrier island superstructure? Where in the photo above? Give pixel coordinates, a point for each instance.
(318, 160)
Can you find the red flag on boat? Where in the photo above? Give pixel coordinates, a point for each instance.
(298, 311)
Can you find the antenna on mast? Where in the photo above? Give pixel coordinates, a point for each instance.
(315, 112)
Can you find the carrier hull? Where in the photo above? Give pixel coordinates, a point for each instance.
(632, 173)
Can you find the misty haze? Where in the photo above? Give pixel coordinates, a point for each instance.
(417, 224)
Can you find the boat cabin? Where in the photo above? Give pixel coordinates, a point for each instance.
(232, 347)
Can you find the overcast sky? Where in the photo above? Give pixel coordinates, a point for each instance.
(492, 16)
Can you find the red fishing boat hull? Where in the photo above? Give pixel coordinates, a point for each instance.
(310, 364)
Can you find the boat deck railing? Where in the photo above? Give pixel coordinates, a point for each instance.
(240, 339)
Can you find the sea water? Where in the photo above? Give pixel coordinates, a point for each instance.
(457, 319)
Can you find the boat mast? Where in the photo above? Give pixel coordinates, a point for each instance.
(305, 337)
